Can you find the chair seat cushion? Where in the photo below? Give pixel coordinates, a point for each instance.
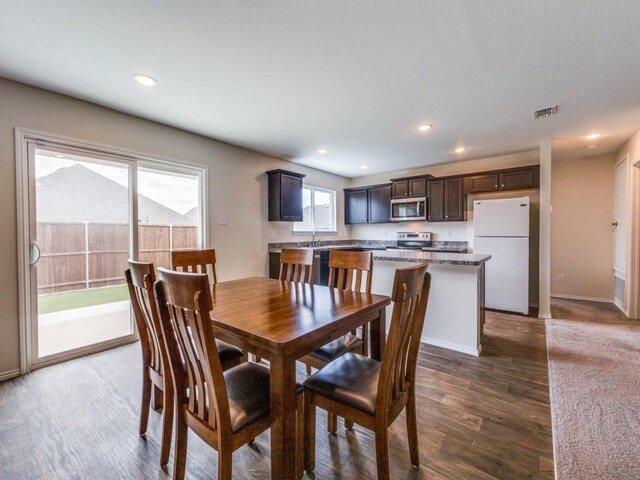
(351, 379)
(248, 390)
(227, 353)
(331, 351)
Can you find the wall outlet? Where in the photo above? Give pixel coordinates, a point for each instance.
(561, 278)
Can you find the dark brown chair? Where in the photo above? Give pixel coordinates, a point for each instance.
(196, 261)
(346, 272)
(296, 265)
(372, 393)
(157, 386)
(226, 410)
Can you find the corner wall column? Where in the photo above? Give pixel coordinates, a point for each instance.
(544, 301)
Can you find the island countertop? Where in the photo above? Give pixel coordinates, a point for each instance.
(463, 259)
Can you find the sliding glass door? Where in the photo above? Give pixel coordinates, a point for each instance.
(88, 214)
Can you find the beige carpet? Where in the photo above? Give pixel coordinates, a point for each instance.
(594, 379)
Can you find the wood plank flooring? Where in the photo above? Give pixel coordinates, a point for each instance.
(479, 418)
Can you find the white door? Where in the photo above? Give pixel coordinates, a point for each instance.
(506, 273)
(505, 217)
(620, 218)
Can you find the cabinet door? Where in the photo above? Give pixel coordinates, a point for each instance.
(356, 206)
(418, 187)
(380, 204)
(453, 200)
(291, 198)
(482, 183)
(516, 179)
(436, 201)
(400, 189)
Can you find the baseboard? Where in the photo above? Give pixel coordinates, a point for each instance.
(580, 297)
(452, 346)
(9, 375)
(544, 316)
(620, 306)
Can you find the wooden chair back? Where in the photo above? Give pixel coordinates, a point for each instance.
(140, 279)
(410, 294)
(347, 269)
(195, 261)
(296, 265)
(184, 303)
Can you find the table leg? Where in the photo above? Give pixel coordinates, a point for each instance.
(283, 429)
(378, 329)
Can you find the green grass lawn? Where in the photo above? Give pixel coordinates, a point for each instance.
(56, 302)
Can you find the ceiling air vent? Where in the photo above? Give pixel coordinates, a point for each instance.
(545, 112)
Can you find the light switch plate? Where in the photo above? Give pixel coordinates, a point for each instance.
(222, 220)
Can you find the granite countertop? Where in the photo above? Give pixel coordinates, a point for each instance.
(464, 259)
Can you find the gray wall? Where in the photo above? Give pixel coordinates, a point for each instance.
(237, 185)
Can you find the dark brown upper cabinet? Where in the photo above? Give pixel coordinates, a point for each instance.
(285, 196)
(499, 180)
(356, 206)
(520, 178)
(371, 204)
(446, 200)
(409, 187)
(379, 203)
(436, 201)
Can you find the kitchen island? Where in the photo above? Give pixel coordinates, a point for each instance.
(455, 312)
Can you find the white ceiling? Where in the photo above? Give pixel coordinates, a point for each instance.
(287, 77)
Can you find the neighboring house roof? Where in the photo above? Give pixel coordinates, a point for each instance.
(78, 194)
(193, 214)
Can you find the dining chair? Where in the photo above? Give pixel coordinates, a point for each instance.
(196, 261)
(348, 270)
(296, 265)
(157, 385)
(225, 409)
(373, 393)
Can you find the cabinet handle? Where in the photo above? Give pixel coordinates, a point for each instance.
(502, 185)
(496, 186)
(446, 216)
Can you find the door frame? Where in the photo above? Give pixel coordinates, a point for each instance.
(23, 139)
(627, 274)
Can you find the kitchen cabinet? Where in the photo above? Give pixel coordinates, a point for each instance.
(446, 200)
(436, 201)
(520, 178)
(356, 206)
(369, 204)
(379, 204)
(501, 180)
(409, 187)
(285, 196)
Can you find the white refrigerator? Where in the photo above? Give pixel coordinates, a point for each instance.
(501, 229)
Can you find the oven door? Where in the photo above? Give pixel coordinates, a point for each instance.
(408, 209)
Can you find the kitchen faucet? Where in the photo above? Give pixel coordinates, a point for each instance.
(315, 242)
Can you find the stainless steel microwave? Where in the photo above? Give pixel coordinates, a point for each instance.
(408, 209)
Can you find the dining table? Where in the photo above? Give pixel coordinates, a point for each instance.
(283, 321)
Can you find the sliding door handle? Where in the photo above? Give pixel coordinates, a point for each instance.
(614, 224)
(34, 249)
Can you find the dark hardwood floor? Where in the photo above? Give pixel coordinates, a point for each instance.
(479, 418)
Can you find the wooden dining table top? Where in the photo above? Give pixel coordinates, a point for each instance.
(286, 315)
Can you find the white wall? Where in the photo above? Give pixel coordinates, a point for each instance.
(459, 231)
(237, 185)
(581, 232)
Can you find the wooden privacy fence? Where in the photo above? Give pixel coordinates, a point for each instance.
(85, 255)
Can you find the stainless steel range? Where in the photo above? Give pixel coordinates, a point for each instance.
(412, 241)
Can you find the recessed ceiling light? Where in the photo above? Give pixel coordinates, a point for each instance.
(323, 151)
(460, 149)
(591, 146)
(364, 166)
(593, 136)
(425, 126)
(145, 80)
